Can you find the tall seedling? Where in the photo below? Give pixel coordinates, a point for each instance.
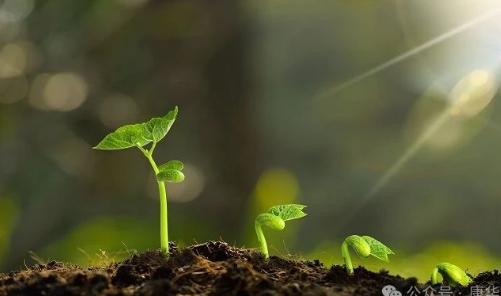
(146, 134)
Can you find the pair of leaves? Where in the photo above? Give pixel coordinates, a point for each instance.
(288, 212)
(139, 134)
(171, 172)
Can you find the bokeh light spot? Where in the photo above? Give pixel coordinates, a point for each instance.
(13, 60)
(473, 93)
(64, 92)
(15, 10)
(276, 186)
(478, 78)
(117, 110)
(190, 188)
(73, 156)
(455, 111)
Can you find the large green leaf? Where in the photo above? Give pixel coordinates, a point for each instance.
(378, 249)
(288, 212)
(157, 128)
(141, 133)
(124, 137)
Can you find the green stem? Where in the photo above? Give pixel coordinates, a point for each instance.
(434, 276)
(262, 240)
(271, 221)
(164, 230)
(346, 256)
(152, 148)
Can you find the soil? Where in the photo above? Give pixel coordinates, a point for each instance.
(213, 268)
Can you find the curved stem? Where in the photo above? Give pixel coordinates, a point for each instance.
(164, 230)
(271, 221)
(434, 276)
(261, 239)
(345, 252)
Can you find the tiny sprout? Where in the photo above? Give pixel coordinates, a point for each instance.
(364, 246)
(275, 218)
(451, 274)
(140, 135)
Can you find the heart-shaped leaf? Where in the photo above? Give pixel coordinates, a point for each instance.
(288, 212)
(157, 128)
(139, 134)
(123, 138)
(378, 249)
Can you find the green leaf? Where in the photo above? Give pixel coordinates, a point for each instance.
(171, 172)
(172, 165)
(288, 212)
(141, 133)
(123, 138)
(168, 175)
(157, 128)
(378, 249)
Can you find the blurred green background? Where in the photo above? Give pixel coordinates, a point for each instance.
(278, 104)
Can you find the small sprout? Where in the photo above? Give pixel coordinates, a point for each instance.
(143, 134)
(451, 274)
(275, 218)
(364, 246)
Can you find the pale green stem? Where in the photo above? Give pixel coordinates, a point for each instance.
(434, 276)
(152, 148)
(164, 230)
(271, 221)
(262, 240)
(359, 245)
(346, 256)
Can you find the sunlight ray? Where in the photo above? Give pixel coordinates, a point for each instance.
(470, 96)
(408, 154)
(468, 25)
(399, 164)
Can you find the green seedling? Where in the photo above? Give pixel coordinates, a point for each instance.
(451, 275)
(141, 135)
(364, 246)
(275, 218)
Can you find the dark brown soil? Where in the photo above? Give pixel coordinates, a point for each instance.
(214, 268)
